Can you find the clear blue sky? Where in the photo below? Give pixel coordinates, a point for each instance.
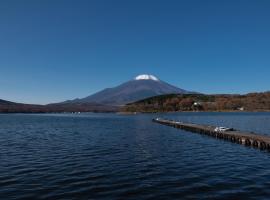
(55, 50)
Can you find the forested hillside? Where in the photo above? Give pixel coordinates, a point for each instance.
(201, 102)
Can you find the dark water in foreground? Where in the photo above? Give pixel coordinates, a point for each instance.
(107, 156)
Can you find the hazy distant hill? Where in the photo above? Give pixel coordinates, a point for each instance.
(11, 107)
(4, 102)
(141, 87)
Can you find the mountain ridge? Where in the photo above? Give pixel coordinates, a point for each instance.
(12, 107)
(141, 87)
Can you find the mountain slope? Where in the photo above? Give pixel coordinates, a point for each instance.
(11, 107)
(143, 86)
(202, 102)
(4, 102)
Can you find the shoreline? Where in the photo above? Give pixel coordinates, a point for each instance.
(222, 111)
(136, 113)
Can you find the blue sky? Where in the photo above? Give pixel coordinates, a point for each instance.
(55, 50)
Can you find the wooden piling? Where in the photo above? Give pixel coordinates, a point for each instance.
(248, 139)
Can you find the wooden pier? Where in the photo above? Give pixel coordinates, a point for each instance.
(239, 137)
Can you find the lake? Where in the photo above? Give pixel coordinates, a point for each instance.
(110, 156)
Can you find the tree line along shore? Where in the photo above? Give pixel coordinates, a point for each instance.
(162, 103)
(202, 102)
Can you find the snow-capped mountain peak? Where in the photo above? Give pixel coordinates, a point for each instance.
(141, 87)
(146, 77)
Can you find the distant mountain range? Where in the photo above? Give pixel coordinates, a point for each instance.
(107, 100)
(146, 93)
(12, 107)
(141, 87)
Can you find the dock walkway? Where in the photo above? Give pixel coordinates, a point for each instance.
(245, 138)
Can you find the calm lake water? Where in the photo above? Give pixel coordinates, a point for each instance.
(108, 156)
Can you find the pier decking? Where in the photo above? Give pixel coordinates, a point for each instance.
(245, 138)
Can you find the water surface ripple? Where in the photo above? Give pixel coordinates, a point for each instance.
(109, 156)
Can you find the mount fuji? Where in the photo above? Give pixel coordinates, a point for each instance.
(141, 87)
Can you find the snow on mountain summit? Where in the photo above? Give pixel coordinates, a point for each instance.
(146, 77)
(141, 87)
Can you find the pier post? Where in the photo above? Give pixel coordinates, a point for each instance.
(245, 138)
